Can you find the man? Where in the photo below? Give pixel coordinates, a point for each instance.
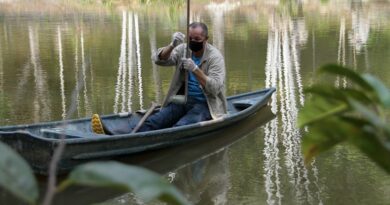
(197, 91)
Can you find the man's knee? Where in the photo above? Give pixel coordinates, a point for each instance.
(182, 122)
(190, 119)
(165, 118)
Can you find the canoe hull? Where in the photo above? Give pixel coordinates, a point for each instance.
(37, 145)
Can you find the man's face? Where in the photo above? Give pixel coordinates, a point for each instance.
(196, 34)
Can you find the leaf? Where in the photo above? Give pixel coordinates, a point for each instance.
(335, 116)
(371, 116)
(381, 90)
(16, 176)
(351, 129)
(331, 92)
(374, 149)
(145, 184)
(318, 109)
(348, 73)
(367, 140)
(320, 138)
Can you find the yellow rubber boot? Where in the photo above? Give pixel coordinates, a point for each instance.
(96, 124)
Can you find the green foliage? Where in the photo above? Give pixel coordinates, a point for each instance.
(16, 175)
(169, 2)
(107, 3)
(353, 115)
(144, 183)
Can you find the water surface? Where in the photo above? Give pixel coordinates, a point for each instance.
(101, 55)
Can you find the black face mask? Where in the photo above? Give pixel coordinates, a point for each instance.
(196, 46)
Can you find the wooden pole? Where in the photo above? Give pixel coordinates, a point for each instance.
(147, 114)
(188, 55)
(188, 29)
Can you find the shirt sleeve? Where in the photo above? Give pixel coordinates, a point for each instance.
(173, 60)
(216, 75)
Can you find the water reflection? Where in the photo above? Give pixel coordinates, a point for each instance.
(360, 27)
(2, 94)
(119, 92)
(130, 60)
(271, 150)
(35, 81)
(359, 34)
(139, 68)
(87, 106)
(82, 104)
(217, 12)
(155, 70)
(204, 181)
(41, 103)
(77, 73)
(285, 36)
(125, 83)
(61, 65)
(341, 51)
(203, 170)
(207, 180)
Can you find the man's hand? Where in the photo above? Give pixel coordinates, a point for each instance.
(189, 64)
(177, 39)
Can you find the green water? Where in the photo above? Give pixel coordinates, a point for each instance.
(96, 59)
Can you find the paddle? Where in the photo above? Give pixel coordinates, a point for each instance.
(141, 122)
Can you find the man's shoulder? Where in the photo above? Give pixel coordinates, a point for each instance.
(214, 51)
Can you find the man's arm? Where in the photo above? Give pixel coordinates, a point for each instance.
(213, 82)
(177, 39)
(200, 76)
(166, 52)
(163, 56)
(215, 78)
(190, 66)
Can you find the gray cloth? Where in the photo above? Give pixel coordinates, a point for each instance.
(212, 64)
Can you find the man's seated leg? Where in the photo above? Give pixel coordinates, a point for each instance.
(165, 118)
(198, 112)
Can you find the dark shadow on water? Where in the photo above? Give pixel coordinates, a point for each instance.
(165, 160)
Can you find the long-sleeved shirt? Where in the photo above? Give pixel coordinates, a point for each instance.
(212, 64)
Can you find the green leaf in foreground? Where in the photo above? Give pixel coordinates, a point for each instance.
(354, 115)
(16, 175)
(374, 148)
(371, 117)
(319, 109)
(321, 138)
(348, 73)
(381, 90)
(333, 93)
(145, 184)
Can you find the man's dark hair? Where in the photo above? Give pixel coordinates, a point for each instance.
(202, 25)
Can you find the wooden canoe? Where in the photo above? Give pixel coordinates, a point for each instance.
(37, 142)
